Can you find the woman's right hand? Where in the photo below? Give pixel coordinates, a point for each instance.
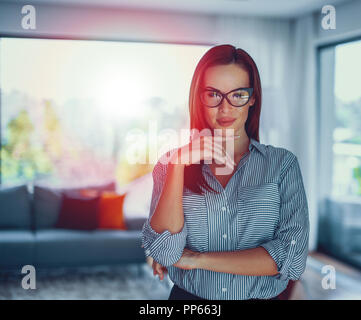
(203, 148)
(159, 270)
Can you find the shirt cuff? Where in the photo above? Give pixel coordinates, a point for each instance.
(165, 248)
(283, 256)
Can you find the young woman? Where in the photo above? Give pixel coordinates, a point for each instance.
(235, 234)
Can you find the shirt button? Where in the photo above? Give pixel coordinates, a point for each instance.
(147, 251)
(224, 289)
(293, 242)
(224, 208)
(225, 236)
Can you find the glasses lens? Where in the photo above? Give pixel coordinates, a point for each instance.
(211, 98)
(239, 97)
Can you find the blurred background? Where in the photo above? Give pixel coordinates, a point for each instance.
(79, 78)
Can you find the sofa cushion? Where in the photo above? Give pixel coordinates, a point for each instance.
(63, 247)
(47, 202)
(135, 223)
(16, 248)
(15, 208)
(78, 213)
(111, 211)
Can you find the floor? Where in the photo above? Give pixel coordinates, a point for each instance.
(136, 282)
(309, 287)
(129, 282)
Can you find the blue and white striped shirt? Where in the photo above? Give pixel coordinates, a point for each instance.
(264, 204)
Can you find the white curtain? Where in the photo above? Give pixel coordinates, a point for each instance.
(284, 53)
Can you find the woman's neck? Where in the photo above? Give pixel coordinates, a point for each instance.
(240, 144)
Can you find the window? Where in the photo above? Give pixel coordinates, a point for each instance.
(67, 106)
(340, 151)
(347, 131)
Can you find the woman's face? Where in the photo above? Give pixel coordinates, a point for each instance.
(226, 78)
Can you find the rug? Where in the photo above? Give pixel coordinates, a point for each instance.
(126, 282)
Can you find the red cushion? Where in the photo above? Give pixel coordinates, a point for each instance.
(78, 213)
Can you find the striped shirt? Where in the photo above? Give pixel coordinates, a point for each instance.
(263, 205)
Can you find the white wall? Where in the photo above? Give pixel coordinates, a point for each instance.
(101, 23)
(348, 21)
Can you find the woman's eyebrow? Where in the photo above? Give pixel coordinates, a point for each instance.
(211, 88)
(208, 87)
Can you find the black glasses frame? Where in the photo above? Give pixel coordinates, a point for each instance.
(225, 95)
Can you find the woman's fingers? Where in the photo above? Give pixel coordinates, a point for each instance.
(229, 160)
(165, 270)
(220, 159)
(215, 150)
(159, 269)
(155, 268)
(212, 148)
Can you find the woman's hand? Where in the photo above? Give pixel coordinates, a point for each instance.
(159, 270)
(203, 148)
(188, 260)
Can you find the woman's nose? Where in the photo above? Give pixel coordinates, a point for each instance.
(224, 106)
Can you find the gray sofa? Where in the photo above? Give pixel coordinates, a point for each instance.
(28, 235)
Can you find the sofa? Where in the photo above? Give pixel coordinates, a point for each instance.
(28, 233)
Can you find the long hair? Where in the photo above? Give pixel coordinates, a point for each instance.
(220, 55)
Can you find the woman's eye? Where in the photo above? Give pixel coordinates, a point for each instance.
(240, 96)
(213, 94)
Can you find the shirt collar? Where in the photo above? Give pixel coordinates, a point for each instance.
(259, 146)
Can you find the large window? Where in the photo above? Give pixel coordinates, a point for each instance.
(340, 151)
(68, 106)
(347, 131)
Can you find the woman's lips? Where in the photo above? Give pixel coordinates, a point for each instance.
(226, 122)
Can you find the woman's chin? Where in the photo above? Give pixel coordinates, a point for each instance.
(225, 131)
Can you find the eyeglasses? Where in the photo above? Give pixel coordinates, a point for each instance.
(212, 97)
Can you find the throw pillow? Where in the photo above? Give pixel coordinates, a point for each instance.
(111, 211)
(78, 213)
(15, 207)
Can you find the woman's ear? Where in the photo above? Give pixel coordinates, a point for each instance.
(252, 101)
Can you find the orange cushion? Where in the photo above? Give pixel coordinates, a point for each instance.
(111, 211)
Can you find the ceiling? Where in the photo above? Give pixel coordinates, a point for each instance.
(264, 8)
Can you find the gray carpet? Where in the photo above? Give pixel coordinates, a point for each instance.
(129, 282)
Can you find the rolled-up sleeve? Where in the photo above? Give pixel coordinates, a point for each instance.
(165, 248)
(289, 248)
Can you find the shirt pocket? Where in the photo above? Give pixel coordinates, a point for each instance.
(257, 215)
(196, 217)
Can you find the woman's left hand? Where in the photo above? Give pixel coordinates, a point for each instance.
(188, 260)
